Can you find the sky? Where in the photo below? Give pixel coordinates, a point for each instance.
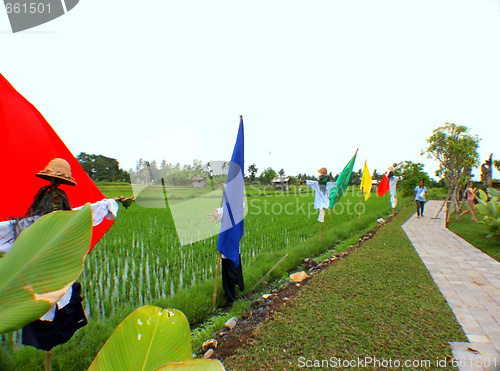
(314, 80)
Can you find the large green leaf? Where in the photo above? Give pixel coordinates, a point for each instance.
(148, 338)
(493, 192)
(483, 196)
(492, 205)
(483, 209)
(194, 364)
(42, 265)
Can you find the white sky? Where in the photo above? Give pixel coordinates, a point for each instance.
(314, 80)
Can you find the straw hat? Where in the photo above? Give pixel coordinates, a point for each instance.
(59, 170)
(322, 171)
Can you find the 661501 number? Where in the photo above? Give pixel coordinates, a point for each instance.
(27, 8)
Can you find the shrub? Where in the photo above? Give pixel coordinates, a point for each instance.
(490, 208)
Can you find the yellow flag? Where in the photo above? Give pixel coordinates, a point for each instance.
(366, 182)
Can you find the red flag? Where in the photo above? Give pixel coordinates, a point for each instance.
(383, 186)
(28, 143)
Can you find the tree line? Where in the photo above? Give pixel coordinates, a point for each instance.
(451, 145)
(102, 169)
(105, 169)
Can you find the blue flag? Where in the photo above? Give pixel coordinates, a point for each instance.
(231, 229)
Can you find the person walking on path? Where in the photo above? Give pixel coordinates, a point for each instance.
(420, 193)
(471, 201)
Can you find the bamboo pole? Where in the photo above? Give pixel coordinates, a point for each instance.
(447, 215)
(441, 208)
(361, 201)
(268, 273)
(48, 360)
(329, 218)
(216, 279)
(444, 202)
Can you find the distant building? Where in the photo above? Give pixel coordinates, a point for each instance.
(281, 183)
(199, 182)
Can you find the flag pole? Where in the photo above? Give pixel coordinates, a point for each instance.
(360, 201)
(48, 360)
(216, 278)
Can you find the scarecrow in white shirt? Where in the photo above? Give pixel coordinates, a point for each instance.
(59, 324)
(322, 188)
(393, 180)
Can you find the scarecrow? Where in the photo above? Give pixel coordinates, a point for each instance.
(393, 180)
(322, 188)
(59, 324)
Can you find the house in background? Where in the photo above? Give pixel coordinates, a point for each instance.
(281, 183)
(199, 182)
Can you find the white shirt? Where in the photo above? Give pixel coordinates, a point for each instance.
(392, 184)
(321, 197)
(107, 208)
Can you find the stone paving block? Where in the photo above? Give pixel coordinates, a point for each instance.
(479, 339)
(492, 330)
(484, 358)
(472, 328)
(495, 315)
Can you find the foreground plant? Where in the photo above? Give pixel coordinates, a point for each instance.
(151, 338)
(42, 265)
(490, 208)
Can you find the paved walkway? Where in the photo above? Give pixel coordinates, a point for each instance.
(469, 280)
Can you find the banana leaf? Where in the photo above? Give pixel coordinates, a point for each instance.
(41, 266)
(493, 192)
(483, 196)
(483, 209)
(147, 339)
(194, 364)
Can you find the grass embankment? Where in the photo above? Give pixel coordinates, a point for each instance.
(475, 234)
(378, 302)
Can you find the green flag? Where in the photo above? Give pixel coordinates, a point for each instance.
(342, 182)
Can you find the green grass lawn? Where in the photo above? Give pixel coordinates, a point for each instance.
(475, 234)
(378, 302)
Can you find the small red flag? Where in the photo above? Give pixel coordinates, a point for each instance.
(28, 144)
(383, 186)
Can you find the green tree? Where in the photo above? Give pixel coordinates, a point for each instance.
(281, 172)
(377, 176)
(86, 161)
(102, 169)
(456, 151)
(355, 177)
(411, 174)
(267, 175)
(252, 169)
